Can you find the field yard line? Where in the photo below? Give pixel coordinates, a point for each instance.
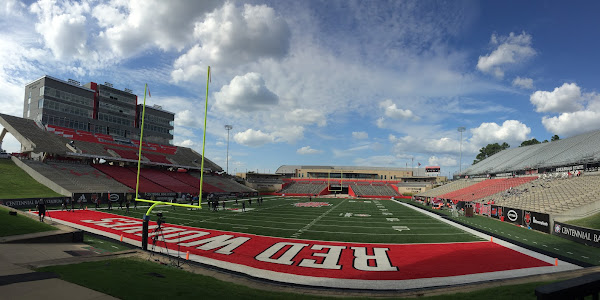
(397, 233)
(563, 264)
(257, 226)
(316, 220)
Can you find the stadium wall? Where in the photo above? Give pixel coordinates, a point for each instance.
(40, 178)
(579, 212)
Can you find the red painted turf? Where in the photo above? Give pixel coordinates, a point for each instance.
(413, 261)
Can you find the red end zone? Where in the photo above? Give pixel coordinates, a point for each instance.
(334, 260)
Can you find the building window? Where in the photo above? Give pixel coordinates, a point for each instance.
(41, 103)
(42, 91)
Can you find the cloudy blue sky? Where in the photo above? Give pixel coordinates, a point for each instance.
(369, 83)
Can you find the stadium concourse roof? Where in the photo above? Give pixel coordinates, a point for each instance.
(289, 169)
(35, 138)
(580, 149)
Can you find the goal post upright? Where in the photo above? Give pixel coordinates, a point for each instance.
(146, 216)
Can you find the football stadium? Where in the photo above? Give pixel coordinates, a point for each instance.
(514, 218)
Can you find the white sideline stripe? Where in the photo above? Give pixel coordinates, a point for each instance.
(562, 265)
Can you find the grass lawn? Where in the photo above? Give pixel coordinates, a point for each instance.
(103, 245)
(15, 225)
(589, 222)
(16, 184)
(130, 278)
(547, 242)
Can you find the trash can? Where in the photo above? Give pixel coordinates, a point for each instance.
(469, 211)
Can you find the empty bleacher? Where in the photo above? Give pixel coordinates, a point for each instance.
(486, 188)
(77, 178)
(553, 196)
(373, 190)
(165, 180)
(303, 187)
(447, 188)
(223, 183)
(195, 182)
(129, 178)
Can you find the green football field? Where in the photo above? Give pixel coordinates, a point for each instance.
(328, 219)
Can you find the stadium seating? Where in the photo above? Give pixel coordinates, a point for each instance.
(194, 182)
(552, 196)
(577, 149)
(303, 187)
(223, 183)
(486, 188)
(129, 178)
(447, 188)
(374, 190)
(165, 180)
(77, 178)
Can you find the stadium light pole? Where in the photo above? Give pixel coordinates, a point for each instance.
(228, 127)
(461, 130)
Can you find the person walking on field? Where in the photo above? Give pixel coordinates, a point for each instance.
(41, 207)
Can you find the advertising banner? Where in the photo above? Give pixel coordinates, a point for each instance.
(513, 215)
(537, 221)
(485, 210)
(30, 202)
(578, 234)
(496, 211)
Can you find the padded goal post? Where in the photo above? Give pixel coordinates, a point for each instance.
(137, 184)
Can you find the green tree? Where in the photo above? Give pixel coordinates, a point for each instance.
(490, 150)
(555, 138)
(530, 142)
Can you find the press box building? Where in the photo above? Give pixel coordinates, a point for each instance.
(97, 108)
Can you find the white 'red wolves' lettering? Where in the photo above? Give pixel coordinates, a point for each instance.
(218, 241)
(382, 261)
(285, 258)
(332, 257)
(184, 236)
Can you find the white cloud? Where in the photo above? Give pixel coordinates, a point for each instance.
(63, 27)
(444, 161)
(392, 111)
(572, 123)
(567, 124)
(306, 116)
(132, 26)
(360, 135)
(511, 131)
(380, 161)
(510, 50)
(245, 93)
(566, 98)
(308, 150)
(289, 134)
(187, 143)
(252, 138)
(189, 119)
(231, 36)
(525, 83)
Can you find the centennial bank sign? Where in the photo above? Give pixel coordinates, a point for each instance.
(578, 234)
